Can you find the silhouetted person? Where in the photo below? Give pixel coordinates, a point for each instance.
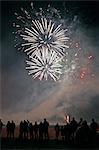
(57, 130)
(62, 132)
(83, 134)
(36, 131)
(31, 130)
(25, 129)
(21, 129)
(12, 128)
(67, 132)
(28, 127)
(45, 127)
(41, 131)
(80, 122)
(93, 127)
(1, 125)
(73, 126)
(8, 128)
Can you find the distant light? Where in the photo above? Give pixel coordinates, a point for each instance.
(90, 57)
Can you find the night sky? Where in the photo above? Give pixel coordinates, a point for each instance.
(23, 97)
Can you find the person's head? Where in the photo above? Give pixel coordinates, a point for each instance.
(93, 120)
(81, 119)
(44, 119)
(84, 123)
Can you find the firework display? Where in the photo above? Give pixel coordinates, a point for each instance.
(45, 65)
(51, 49)
(44, 35)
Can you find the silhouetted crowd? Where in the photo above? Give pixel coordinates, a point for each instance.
(27, 130)
(36, 131)
(78, 132)
(72, 132)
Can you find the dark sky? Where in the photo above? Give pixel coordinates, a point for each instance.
(87, 11)
(21, 95)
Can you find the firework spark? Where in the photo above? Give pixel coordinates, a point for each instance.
(45, 65)
(71, 63)
(44, 34)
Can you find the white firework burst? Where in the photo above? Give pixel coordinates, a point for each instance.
(45, 65)
(44, 34)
